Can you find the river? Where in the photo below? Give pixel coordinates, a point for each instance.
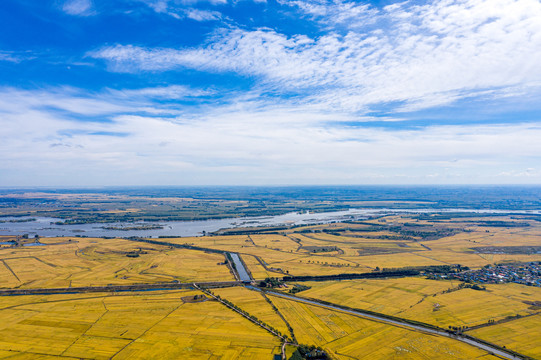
(45, 226)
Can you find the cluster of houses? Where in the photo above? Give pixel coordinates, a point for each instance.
(527, 274)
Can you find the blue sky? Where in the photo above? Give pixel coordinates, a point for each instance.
(192, 92)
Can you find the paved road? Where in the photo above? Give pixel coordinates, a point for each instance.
(172, 286)
(468, 340)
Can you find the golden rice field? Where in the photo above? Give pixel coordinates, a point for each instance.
(298, 263)
(521, 335)
(161, 325)
(255, 304)
(471, 307)
(257, 270)
(93, 262)
(424, 300)
(296, 250)
(346, 336)
(274, 241)
(136, 326)
(389, 296)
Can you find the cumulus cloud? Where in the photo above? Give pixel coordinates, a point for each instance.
(307, 116)
(78, 7)
(425, 55)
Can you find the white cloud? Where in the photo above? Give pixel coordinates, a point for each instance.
(162, 92)
(529, 172)
(74, 103)
(8, 56)
(78, 7)
(335, 13)
(202, 15)
(193, 2)
(160, 6)
(16, 56)
(240, 142)
(419, 56)
(425, 55)
(184, 9)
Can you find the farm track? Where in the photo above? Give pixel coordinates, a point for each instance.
(117, 288)
(417, 326)
(501, 321)
(257, 322)
(265, 265)
(390, 320)
(11, 270)
(288, 325)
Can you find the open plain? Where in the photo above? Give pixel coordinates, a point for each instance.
(409, 267)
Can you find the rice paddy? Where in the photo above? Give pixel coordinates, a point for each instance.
(160, 324)
(346, 336)
(93, 262)
(134, 326)
(429, 301)
(521, 335)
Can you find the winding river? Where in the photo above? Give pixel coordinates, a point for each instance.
(45, 226)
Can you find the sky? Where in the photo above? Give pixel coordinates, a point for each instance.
(275, 92)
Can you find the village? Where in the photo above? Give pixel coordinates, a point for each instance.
(526, 274)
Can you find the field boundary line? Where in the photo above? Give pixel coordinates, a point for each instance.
(9, 268)
(90, 327)
(156, 323)
(410, 325)
(257, 322)
(115, 288)
(501, 321)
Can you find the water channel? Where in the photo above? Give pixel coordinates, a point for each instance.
(45, 226)
(241, 270)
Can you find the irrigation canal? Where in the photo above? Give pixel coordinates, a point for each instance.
(174, 286)
(239, 266)
(118, 288)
